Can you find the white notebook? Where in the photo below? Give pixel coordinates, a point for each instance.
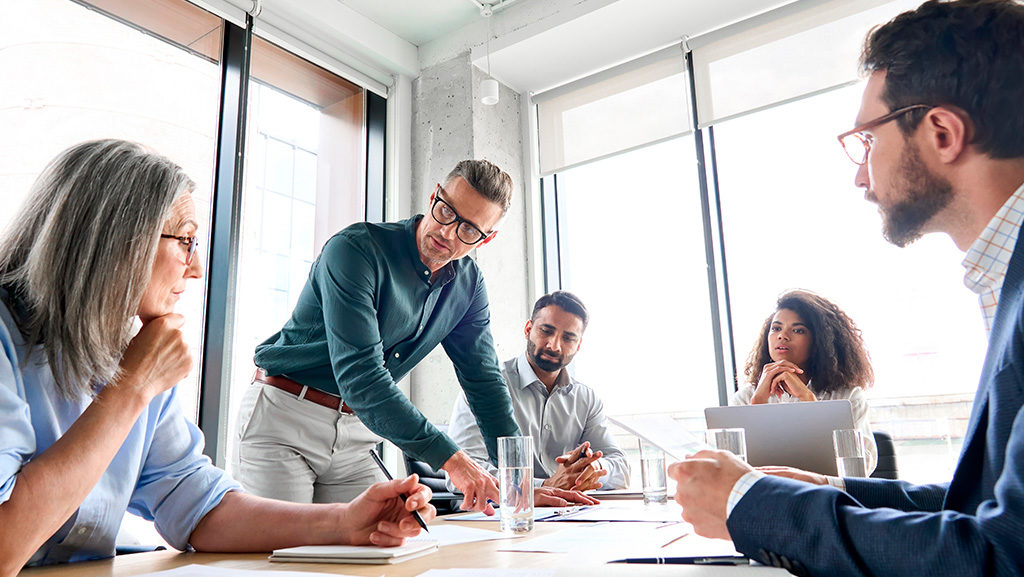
(363, 555)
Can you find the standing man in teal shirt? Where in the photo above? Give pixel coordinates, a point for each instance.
(378, 299)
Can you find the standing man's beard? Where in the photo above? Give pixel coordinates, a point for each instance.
(924, 196)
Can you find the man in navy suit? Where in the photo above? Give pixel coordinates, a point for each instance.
(939, 141)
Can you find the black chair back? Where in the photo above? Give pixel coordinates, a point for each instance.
(886, 468)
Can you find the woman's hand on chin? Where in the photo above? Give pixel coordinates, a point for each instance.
(157, 358)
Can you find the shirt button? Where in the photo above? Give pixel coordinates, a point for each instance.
(547, 427)
(397, 355)
(82, 530)
(426, 272)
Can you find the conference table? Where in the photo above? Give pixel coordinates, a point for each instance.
(479, 555)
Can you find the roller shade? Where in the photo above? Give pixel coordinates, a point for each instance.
(794, 51)
(631, 105)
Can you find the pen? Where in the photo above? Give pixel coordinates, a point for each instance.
(686, 560)
(415, 514)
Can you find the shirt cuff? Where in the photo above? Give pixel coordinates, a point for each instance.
(743, 484)
(837, 482)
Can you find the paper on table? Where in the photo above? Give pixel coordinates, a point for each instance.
(209, 571)
(663, 431)
(625, 511)
(608, 541)
(539, 514)
(455, 535)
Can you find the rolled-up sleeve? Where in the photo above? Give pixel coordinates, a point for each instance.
(17, 439)
(178, 485)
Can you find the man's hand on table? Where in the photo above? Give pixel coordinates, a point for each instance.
(554, 497)
(479, 488)
(704, 481)
(578, 470)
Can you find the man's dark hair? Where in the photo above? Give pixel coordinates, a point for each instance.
(968, 54)
(566, 301)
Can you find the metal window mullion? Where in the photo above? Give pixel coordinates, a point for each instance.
(709, 219)
(225, 224)
(376, 153)
(551, 224)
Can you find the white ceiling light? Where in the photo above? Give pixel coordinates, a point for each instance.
(488, 86)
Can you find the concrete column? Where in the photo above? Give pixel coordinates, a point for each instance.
(450, 124)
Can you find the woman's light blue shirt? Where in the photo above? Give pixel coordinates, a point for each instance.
(159, 473)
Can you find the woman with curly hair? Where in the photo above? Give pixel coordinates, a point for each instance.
(810, 350)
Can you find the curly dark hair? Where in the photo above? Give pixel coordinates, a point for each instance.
(838, 359)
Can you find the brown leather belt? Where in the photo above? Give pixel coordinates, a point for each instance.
(312, 395)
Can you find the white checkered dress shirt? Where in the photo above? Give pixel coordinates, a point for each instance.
(987, 259)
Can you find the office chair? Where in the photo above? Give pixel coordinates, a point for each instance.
(886, 468)
(443, 500)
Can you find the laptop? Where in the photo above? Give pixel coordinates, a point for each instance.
(791, 434)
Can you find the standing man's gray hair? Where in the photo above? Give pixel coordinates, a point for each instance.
(78, 256)
(485, 177)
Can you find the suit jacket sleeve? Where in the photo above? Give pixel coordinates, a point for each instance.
(830, 532)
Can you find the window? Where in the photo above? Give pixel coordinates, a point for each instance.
(793, 219)
(72, 74)
(304, 181)
(632, 248)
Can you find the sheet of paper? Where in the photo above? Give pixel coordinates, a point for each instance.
(539, 514)
(210, 571)
(605, 541)
(456, 534)
(625, 511)
(663, 431)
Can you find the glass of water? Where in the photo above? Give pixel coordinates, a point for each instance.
(732, 440)
(515, 483)
(652, 473)
(851, 460)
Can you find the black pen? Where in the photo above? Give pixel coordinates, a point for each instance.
(415, 514)
(686, 560)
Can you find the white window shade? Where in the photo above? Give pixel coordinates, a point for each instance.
(794, 51)
(631, 105)
(297, 28)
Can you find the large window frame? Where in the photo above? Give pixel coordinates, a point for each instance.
(226, 198)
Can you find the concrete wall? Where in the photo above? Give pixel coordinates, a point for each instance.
(450, 124)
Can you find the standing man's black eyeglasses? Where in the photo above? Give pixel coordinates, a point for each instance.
(444, 214)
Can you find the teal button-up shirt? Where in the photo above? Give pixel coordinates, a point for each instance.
(369, 313)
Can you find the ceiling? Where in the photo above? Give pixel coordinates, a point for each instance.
(417, 21)
(539, 44)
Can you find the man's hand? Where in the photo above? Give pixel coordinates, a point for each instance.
(797, 474)
(577, 470)
(554, 497)
(704, 481)
(476, 484)
(379, 517)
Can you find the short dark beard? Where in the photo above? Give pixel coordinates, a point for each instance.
(925, 195)
(541, 363)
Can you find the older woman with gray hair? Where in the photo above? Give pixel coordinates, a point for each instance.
(89, 419)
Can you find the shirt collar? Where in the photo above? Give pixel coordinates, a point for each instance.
(988, 257)
(527, 376)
